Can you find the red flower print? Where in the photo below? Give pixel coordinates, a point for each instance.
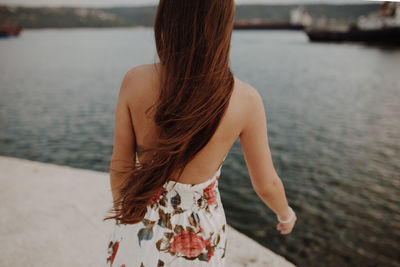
(209, 191)
(217, 177)
(188, 243)
(208, 242)
(157, 196)
(210, 254)
(123, 265)
(115, 248)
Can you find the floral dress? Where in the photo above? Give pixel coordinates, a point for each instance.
(185, 225)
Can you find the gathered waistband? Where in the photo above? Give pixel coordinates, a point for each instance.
(192, 187)
(177, 197)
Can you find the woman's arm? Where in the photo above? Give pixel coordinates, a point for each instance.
(255, 147)
(123, 154)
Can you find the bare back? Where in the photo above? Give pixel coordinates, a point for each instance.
(208, 160)
(244, 118)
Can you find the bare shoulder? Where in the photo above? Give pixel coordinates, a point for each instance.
(145, 69)
(145, 73)
(139, 82)
(247, 97)
(246, 103)
(246, 91)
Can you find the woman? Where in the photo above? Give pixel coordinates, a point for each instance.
(177, 120)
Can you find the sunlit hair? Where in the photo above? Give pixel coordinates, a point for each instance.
(193, 43)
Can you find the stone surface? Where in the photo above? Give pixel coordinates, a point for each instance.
(52, 216)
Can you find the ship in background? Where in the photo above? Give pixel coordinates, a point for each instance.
(299, 19)
(376, 28)
(9, 30)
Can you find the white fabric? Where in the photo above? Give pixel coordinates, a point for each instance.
(184, 226)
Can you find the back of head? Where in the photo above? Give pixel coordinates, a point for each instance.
(193, 44)
(193, 36)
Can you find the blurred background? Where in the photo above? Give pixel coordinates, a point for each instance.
(328, 72)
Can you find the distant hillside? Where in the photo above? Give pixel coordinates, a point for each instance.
(143, 16)
(61, 17)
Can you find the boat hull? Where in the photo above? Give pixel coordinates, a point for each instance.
(385, 35)
(8, 31)
(268, 26)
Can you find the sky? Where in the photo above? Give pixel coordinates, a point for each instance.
(107, 3)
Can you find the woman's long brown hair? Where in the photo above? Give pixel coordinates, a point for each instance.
(193, 43)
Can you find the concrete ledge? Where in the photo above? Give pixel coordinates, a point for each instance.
(52, 216)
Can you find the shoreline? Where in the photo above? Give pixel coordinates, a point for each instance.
(52, 216)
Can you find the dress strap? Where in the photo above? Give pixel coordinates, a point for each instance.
(220, 166)
(137, 158)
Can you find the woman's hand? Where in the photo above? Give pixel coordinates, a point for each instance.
(286, 228)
